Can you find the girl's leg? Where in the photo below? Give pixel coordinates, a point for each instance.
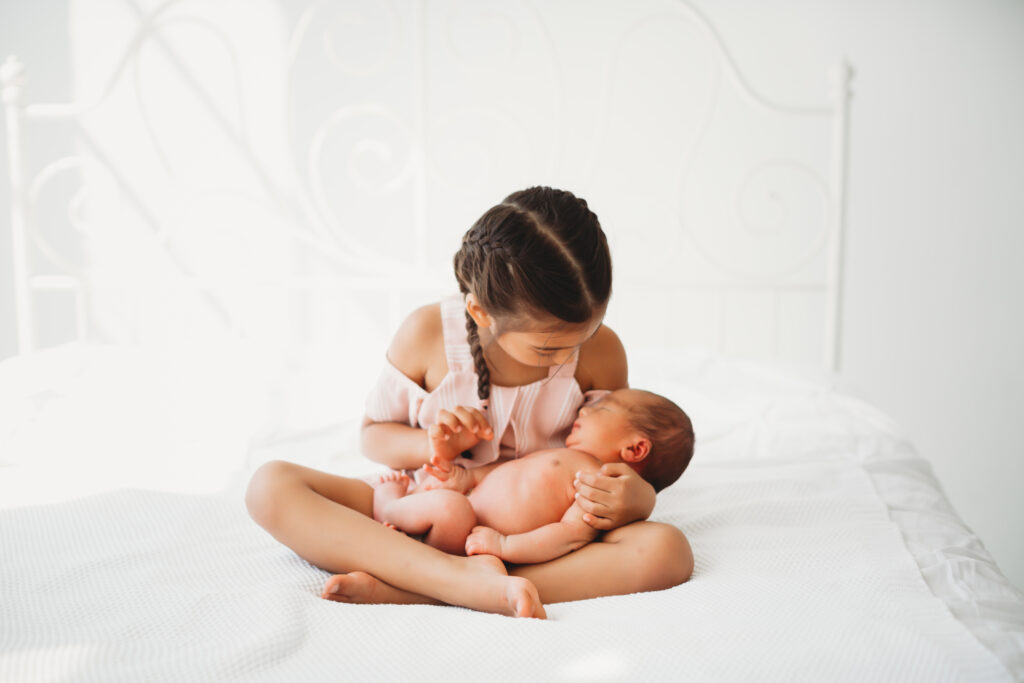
(327, 520)
(639, 557)
(636, 558)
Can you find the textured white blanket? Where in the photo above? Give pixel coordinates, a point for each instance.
(800, 575)
(824, 551)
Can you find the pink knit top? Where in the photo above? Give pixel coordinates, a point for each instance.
(524, 419)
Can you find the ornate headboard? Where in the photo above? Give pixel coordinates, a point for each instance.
(303, 177)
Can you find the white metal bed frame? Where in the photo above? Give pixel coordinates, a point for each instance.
(308, 224)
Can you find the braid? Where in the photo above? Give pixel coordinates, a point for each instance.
(483, 373)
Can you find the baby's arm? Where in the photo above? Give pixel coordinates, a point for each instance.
(540, 545)
(459, 478)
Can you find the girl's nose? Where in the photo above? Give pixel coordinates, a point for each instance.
(584, 410)
(563, 357)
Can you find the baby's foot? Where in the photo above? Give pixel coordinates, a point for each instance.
(389, 488)
(365, 589)
(393, 477)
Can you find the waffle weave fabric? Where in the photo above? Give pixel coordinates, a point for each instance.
(800, 575)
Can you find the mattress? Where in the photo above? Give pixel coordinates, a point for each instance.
(824, 546)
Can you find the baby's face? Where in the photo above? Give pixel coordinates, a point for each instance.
(603, 429)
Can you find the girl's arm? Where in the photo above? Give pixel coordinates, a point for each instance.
(396, 445)
(413, 352)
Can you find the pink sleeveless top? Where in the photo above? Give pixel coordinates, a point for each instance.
(524, 419)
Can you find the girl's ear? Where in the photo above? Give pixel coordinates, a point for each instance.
(639, 449)
(477, 312)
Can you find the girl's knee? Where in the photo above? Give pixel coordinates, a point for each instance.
(664, 557)
(262, 494)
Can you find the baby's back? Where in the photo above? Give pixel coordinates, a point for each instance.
(527, 493)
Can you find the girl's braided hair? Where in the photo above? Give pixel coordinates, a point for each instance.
(540, 253)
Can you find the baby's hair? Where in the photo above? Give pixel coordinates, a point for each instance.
(671, 435)
(540, 253)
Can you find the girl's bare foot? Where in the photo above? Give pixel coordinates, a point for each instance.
(489, 589)
(391, 487)
(364, 589)
(495, 591)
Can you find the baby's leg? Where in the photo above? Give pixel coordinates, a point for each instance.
(389, 488)
(444, 517)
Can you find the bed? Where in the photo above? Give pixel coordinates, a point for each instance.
(195, 274)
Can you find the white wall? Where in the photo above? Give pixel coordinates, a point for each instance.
(934, 305)
(933, 326)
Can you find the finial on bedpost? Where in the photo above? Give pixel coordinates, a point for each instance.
(12, 79)
(840, 77)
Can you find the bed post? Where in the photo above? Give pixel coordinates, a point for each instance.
(841, 76)
(12, 78)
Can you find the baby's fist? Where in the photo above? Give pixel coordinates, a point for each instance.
(484, 541)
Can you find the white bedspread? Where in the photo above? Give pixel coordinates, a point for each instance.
(818, 534)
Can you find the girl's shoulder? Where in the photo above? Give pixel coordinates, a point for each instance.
(602, 363)
(419, 343)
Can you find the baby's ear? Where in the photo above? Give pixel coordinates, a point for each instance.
(636, 451)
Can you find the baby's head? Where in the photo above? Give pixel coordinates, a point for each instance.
(647, 431)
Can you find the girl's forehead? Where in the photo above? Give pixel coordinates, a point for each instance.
(560, 337)
(554, 327)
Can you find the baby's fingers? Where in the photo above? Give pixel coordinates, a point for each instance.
(474, 544)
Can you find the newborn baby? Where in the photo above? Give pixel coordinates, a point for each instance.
(524, 511)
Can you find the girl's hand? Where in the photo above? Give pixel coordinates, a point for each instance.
(454, 432)
(484, 541)
(613, 496)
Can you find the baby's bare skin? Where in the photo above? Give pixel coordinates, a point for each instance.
(522, 511)
(525, 494)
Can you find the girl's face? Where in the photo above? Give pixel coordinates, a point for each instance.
(546, 346)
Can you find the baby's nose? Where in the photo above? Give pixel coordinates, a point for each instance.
(584, 410)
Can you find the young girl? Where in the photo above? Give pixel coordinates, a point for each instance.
(498, 371)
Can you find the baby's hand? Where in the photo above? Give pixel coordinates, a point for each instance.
(484, 540)
(454, 432)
